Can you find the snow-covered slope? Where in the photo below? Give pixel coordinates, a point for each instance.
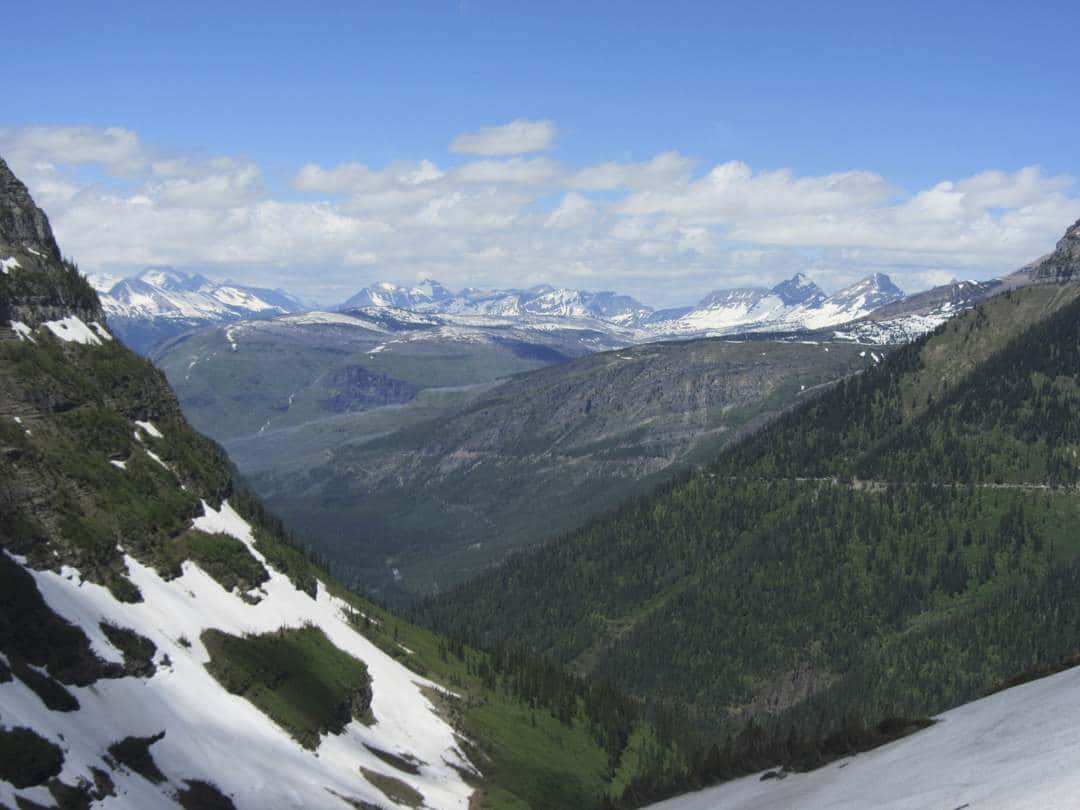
(432, 297)
(911, 317)
(161, 302)
(1014, 750)
(162, 644)
(794, 305)
(166, 293)
(210, 734)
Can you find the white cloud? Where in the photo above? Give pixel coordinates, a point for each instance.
(516, 171)
(658, 228)
(115, 149)
(516, 138)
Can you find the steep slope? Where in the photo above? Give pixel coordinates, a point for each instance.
(890, 549)
(160, 303)
(164, 644)
(956, 763)
(1064, 263)
(524, 461)
(911, 317)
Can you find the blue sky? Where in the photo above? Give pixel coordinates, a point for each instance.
(913, 94)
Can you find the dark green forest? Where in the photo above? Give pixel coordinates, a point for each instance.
(903, 543)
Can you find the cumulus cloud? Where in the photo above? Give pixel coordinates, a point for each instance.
(664, 229)
(516, 138)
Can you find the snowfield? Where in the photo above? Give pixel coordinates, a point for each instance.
(1015, 750)
(216, 736)
(72, 330)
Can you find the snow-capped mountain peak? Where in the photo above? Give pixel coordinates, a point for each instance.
(161, 302)
(798, 289)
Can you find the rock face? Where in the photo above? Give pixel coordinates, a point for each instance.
(356, 388)
(1064, 263)
(120, 551)
(36, 284)
(23, 224)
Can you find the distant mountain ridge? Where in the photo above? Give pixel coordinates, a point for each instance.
(160, 302)
(795, 304)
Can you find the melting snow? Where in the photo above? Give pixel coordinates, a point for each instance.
(23, 331)
(73, 330)
(7, 265)
(121, 464)
(211, 734)
(103, 333)
(150, 429)
(1016, 750)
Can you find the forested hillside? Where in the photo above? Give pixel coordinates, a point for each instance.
(164, 643)
(418, 507)
(900, 544)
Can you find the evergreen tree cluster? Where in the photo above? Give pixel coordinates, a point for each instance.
(902, 543)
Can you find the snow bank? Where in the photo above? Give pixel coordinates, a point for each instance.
(150, 429)
(216, 736)
(23, 331)
(103, 333)
(1016, 750)
(73, 330)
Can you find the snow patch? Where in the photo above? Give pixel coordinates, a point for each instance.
(103, 333)
(1015, 750)
(73, 330)
(9, 264)
(212, 734)
(151, 429)
(23, 331)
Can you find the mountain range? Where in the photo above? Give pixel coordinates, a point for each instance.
(895, 542)
(157, 304)
(165, 644)
(797, 303)
(160, 302)
(898, 545)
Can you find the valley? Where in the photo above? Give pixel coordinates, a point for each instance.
(520, 406)
(165, 643)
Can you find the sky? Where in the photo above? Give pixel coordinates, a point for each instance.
(661, 150)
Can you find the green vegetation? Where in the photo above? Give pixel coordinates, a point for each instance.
(28, 759)
(394, 789)
(297, 677)
(422, 505)
(31, 633)
(138, 651)
(200, 795)
(902, 543)
(134, 753)
(224, 558)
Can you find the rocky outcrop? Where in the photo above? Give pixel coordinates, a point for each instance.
(356, 389)
(1064, 263)
(22, 223)
(36, 284)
